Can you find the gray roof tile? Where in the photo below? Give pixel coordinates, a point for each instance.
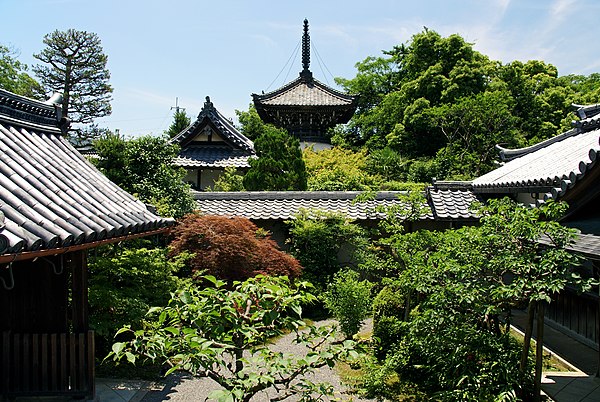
(552, 168)
(212, 157)
(302, 92)
(285, 205)
(452, 203)
(50, 195)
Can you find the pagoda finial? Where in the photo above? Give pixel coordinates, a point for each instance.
(305, 74)
(305, 47)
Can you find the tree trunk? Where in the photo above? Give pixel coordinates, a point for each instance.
(407, 306)
(539, 353)
(527, 340)
(238, 341)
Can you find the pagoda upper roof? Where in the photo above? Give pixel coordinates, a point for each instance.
(306, 91)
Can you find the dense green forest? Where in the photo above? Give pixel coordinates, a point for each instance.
(441, 106)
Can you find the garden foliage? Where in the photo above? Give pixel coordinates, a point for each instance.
(223, 331)
(459, 287)
(230, 248)
(125, 281)
(316, 239)
(143, 166)
(348, 299)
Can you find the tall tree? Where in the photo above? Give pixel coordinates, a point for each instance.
(14, 77)
(279, 166)
(76, 67)
(142, 166)
(180, 122)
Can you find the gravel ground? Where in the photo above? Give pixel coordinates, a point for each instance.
(183, 387)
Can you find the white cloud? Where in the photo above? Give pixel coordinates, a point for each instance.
(560, 8)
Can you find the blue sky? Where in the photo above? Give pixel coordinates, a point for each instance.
(229, 49)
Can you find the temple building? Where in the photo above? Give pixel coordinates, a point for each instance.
(305, 107)
(209, 145)
(54, 207)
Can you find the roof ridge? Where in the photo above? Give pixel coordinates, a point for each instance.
(31, 111)
(507, 154)
(293, 195)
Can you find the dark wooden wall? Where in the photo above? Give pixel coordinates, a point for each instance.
(577, 313)
(38, 301)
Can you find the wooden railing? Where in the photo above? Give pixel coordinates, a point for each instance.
(47, 364)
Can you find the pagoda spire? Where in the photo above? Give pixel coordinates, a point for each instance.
(306, 74)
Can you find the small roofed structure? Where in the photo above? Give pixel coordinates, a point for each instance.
(306, 107)
(563, 168)
(209, 145)
(54, 206)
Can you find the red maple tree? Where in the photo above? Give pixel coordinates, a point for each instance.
(230, 248)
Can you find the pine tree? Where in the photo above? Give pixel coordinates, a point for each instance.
(76, 67)
(180, 122)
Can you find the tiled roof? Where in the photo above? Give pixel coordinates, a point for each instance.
(50, 196)
(225, 129)
(585, 244)
(212, 157)
(285, 205)
(305, 92)
(551, 167)
(452, 201)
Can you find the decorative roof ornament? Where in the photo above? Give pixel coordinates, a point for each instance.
(208, 105)
(306, 73)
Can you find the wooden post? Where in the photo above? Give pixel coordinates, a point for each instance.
(596, 270)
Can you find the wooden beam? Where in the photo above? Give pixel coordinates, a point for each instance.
(29, 255)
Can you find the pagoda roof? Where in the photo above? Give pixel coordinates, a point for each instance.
(52, 200)
(306, 92)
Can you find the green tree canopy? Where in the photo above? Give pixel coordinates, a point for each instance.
(14, 77)
(75, 66)
(279, 165)
(437, 101)
(180, 122)
(143, 166)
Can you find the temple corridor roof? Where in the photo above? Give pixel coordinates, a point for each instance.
(51, 197)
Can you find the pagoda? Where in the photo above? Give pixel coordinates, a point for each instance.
(305, 107)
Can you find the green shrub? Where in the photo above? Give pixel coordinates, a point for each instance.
(349, 300)
(124, 283)
(388, 313)
(453, 359)
(316, 238)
